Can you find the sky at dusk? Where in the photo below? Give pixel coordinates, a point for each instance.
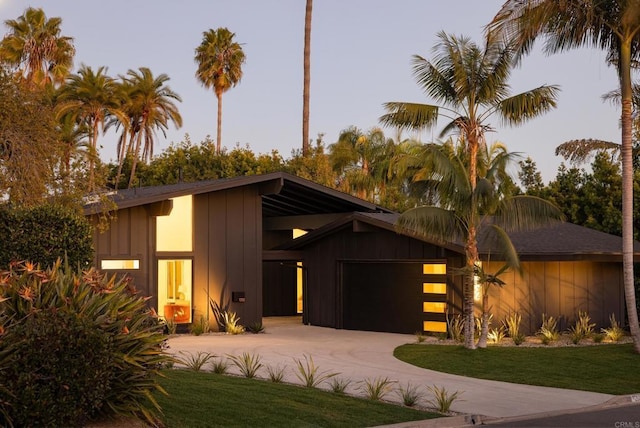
(361, 52)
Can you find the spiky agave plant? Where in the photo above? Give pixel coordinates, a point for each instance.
(104, 311)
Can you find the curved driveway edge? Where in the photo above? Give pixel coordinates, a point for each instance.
(359, 355)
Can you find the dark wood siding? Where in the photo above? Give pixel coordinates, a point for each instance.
(129, 237)
(559, 289)
(228, 250)
(322, 258)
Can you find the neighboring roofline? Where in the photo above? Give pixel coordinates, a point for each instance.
(377, 220)
(169, 191)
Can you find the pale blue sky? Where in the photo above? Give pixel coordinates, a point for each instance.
(361, 58)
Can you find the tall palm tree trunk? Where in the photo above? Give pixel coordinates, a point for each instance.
(93, 147)
(219, 134)
(134, 161)
(627, 192)
(471, 249)
(307, 78)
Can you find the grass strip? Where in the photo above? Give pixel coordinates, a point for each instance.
(610, 369)
(202, 399)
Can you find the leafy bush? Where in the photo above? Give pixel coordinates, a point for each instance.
(496, 335)
(53, 388)
(78, 337)
(582, 328)
(339, 385)
(256, 327)
(196, 362)
(232, 323)
(276, 373)
(409, 394)
(199, 327)
(44, 234)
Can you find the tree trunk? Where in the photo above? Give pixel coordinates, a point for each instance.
(627, 192)
(467, 292)
(484, 330)
(219, 134)
(307, 79)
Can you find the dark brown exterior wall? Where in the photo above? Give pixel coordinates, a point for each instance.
(559, 289)
(129, 237)
(228, 250)
(322, 260)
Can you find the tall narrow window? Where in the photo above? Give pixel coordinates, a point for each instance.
(174, 289)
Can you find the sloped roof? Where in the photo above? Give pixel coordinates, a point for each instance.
(283, 195)
(562, 241)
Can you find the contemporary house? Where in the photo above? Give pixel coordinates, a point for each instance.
(276, 245)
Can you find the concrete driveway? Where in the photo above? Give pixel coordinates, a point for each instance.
(359, 355)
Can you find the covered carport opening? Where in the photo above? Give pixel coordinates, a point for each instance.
(393, 296)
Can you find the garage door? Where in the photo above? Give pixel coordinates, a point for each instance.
(393, 297)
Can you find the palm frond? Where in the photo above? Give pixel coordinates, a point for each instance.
(527, 105)
(434, 223)
(409, 116)
(579, 151)
(522, 213)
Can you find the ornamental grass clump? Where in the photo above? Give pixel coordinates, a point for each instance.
(582, 329)
(75, 347)
(615, 332)
(512, 323)
(549, 330)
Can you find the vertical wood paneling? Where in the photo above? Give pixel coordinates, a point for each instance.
(568, 309)
(596, 291)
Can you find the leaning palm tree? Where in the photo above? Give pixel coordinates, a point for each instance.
(461, 209)
(36, 49)
(90, 97)
(472, 85)
(150, 106)
(220, 61)
(613, 26)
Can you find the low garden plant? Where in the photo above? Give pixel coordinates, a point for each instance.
(309, 374)
(582, 329)
(409, 394)
(197, 361)
(376, 388)
(614, 333)
(442, 399)
(276, 373)
(548, 330)
(339, 384)
(512, 323)
(247, 363)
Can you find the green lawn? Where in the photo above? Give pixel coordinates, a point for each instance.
(611, 369)
(202, 399)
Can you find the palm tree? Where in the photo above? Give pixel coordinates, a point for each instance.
(220, 61)
(149, 107)
(90, 98)
(36, 49)
(611, 25)
(461, 209)
(361, 161)
(471, 83)
(307, 78)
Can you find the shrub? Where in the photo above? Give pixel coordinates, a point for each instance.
(615, 332)
(512, 323)
(442, 399)
(455, 325)
(199, 327)
(231, 323)
(44, 234)
(375, 389)
(548, 330)
(116, 347)
(53, 388)
(339, 384)
(196, 362)
(496, 335)
(220, 366)
(582, 328)
(409, 394)
(256, 327)
(248, 364)
(308, 373)
(276, 373)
